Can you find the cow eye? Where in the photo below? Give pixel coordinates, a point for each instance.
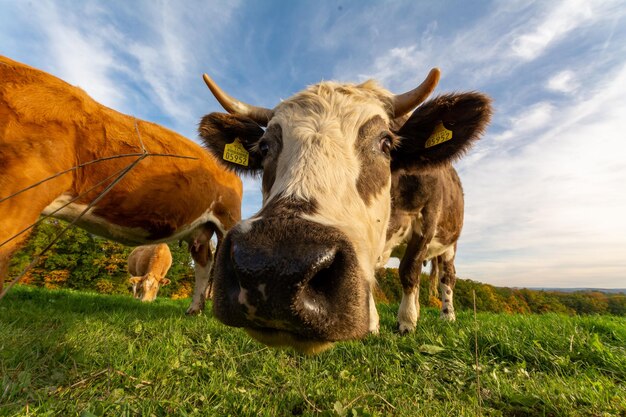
(386, 143)
(264, 148)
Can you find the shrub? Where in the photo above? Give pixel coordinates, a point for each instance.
(104, 286)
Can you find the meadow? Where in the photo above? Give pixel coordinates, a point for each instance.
(65, 352)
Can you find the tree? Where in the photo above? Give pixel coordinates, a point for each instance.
(84, 261)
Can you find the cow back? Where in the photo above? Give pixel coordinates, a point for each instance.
(150, 258)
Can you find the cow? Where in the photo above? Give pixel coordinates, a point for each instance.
(427, 215)
(347, 172)
(48, 127)
(148, 265)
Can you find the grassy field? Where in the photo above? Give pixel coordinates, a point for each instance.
(69, 353)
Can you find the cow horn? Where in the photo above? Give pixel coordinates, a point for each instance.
(404, 103)
(260, 115)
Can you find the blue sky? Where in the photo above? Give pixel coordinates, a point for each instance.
(545, 188)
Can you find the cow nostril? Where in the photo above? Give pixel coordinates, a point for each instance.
(322, 281)
(318, 291)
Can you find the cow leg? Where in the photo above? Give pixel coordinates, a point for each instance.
(202, 258)
(410, 270)
(374, 326)
(446, 286)
(208, 293)
(200, 248)
(433, 294)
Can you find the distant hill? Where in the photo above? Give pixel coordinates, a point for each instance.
(511, 300)
(604, 290)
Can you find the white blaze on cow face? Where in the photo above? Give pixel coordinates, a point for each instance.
(150, 287)
(320, 160)
(146, 288)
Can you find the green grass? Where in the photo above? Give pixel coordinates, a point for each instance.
(70, 353)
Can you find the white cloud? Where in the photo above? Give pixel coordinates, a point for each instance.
(562, 19)
(399, 63)
(133, 68)
(533, 119)
(563, 82)
(168, 59)
(553, 209)
(510, 36)
(77, 57)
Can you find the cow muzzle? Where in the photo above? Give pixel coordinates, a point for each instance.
(291, 282)
(145, 288)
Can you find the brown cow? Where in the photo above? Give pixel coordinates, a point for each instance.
(48, 126)
(300, 272)
(148, 266)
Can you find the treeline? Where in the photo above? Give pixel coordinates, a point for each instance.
(82, 261)
(507, 300)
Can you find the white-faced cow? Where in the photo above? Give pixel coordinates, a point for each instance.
(345, 170)
(48, 126)
(148, 265)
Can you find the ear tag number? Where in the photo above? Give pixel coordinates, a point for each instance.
(439, 135)
(236, 153)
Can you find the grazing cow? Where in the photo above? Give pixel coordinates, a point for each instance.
(48, 126)
(345, 169)
(148, 266)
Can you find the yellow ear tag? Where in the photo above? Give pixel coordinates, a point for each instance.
(236, 153)
(439, 135)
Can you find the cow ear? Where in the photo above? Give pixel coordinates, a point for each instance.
(165, 281)
(232, 139)
(441, 130)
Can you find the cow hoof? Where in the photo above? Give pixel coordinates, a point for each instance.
(404, 328)
(194, 310)
(450, 316)
(196, 307)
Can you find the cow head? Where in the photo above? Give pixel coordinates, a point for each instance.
(300, 272)
(146, 287)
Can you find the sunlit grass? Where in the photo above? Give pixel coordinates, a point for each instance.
(72, 353)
